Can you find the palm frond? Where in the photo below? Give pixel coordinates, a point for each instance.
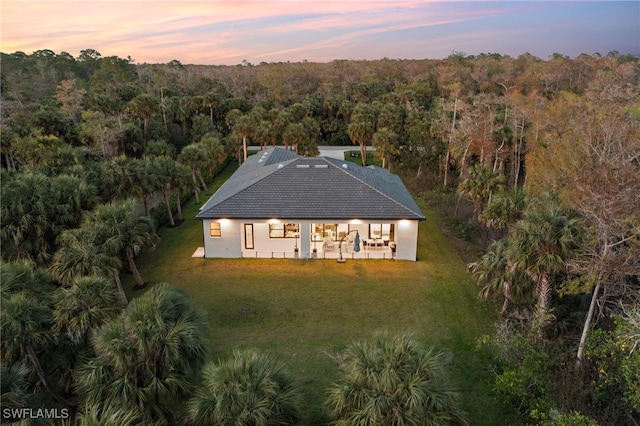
(392, 380)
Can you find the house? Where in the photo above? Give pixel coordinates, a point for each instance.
(280, 204)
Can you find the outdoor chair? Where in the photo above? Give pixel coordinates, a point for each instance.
(328, 244)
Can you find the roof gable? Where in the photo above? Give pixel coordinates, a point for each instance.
(280, 184)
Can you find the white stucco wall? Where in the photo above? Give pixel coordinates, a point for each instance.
(231, 244)
(407, 237)
(228, 245)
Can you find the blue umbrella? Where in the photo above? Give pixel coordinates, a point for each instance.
(356, 245)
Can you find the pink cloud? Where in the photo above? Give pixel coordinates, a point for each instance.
(228, 31)
(139, 28)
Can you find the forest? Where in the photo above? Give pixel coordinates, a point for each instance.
(535, 162)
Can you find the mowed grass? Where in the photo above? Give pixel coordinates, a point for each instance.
(304, 310)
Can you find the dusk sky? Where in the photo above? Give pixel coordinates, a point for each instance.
(228, 32)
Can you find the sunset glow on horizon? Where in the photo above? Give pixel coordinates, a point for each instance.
(230, 32)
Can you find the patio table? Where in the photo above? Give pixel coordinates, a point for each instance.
(375, 243)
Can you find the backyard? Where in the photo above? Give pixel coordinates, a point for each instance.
(304, 310)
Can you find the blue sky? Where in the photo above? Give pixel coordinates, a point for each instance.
(230, 31)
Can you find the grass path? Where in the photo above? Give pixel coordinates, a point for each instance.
(301, 310)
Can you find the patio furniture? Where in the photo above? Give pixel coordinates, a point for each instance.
(376, 243)
(328, 244)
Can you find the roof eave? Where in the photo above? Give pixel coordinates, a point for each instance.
(301, 217)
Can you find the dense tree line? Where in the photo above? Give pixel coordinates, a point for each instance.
(544, 155)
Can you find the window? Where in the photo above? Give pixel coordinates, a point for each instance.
(248, 236)
(276, 230)
(284, 230)
(382, 231)
(316, 231)
(214, 230)
(343, 230)
(335, 231)
(330, 231)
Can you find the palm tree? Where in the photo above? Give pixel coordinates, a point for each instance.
(14, 386)
(479, 186)
(250, 389)
(148, 359)
(195, 156)
(69, 196)
(23, 220)
(107, 233)
(180, 182)
(142, 182)
(212, 100)
(243, 126)
(26, 317)
(183, 111)
(36, 208)
(215, 152)
(170, 177)
(163, 170)
(25, 328)
(87, 305)
(265, 133)
(280, 123)
(392, 380)
(78, 310)
(504, 209)
(540, 245)
(294, 135)
(143, 107)
(130, 232)
(84, 252)
(159, 148)
(386, 143)
(23, 276)
(311, 136)
(495, 274)
(360, 131)
(125, 179)
(109, 415)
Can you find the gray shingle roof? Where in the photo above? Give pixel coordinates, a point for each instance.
(280, 184)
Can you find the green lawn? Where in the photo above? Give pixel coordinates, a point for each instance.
(302, 310)
(372, 158)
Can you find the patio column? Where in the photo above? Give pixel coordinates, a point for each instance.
(304, 243)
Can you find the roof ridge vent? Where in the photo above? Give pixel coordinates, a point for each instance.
(302, 166)
(321, 166)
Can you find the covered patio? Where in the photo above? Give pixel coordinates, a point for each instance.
(277, 239)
